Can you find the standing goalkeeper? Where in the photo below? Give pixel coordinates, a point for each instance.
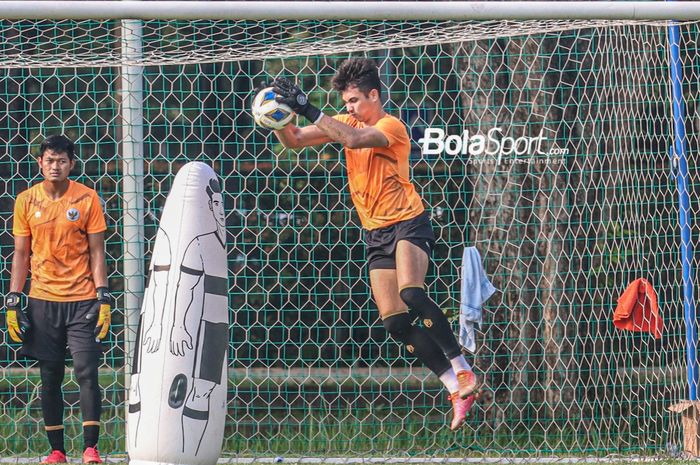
(397, 230)
(59, 227)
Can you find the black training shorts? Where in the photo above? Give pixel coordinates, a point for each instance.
(57, 325)
(381, 242)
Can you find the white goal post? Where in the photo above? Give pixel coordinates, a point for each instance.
(350, 10)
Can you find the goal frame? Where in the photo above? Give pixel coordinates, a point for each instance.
(131, 12)
(352, 10)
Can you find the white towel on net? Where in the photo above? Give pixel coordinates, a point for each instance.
(476, 289)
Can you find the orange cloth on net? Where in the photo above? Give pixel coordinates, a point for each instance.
(638, 309)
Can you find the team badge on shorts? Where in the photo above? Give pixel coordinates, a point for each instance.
(73, 214)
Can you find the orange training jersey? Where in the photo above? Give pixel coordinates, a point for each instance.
(378, 177)
(60, 260)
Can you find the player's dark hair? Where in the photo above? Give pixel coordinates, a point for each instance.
(213, 188)
(362, 73)
(59, 144)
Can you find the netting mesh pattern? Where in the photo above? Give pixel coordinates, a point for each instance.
(69, 43)
(563, 226)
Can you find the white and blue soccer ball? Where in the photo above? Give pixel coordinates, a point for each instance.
(269, 113)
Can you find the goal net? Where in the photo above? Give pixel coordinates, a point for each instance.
(573, 199)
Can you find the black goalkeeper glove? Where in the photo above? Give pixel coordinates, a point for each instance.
(291, 95)
(261, 85)
(17, 320)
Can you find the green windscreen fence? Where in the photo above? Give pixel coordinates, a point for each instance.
(547, 145)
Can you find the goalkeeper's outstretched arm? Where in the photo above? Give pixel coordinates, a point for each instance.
(324, 128)
(327, 130)
(294, 137)
(350, 137)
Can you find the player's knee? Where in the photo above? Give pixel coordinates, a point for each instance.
(85, 367)
(415, 297)
(52, 374)
(398, 326)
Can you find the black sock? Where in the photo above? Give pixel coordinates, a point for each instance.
(91, 434)
(52, 401)
(434, 321)
(56, 439)
(417, 342)
(85, 365)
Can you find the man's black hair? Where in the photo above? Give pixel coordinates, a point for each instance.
(59, 144)
(362, 73)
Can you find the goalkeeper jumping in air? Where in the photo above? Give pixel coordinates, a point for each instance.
(397, 229)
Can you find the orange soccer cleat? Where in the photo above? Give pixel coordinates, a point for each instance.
(460, 409)
(468, 383)
(56, 456)
(91, 455)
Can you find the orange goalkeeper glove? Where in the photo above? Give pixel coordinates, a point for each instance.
(103, 311)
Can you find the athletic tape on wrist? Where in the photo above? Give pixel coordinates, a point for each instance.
(320, 115)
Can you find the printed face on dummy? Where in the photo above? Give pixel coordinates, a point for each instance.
(216, 204)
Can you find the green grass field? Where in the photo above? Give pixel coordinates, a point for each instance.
(656, 461)
(374, 429)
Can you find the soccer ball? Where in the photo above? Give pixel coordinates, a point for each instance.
(269, 113)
